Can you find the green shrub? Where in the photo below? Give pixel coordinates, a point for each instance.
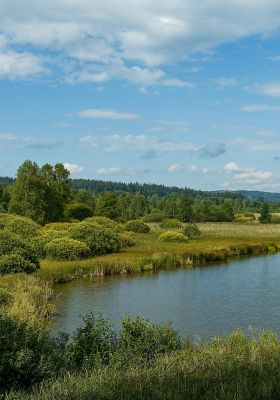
(11, 244)
(66, 249)
(137, 226)
(154, 216)
(92, 344)
(126, 240)
(192, 231)
(23, 227)
(99, 240)
(59, 226)
(39, 243)
(171, 236)
(105, 223)
(13, 263)
(142, 340)
(171, 224)
(275, 218)
(243, 218)
(28, 356)
(78, 211)
(5, 297)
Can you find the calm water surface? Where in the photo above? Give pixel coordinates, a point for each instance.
(201, 302)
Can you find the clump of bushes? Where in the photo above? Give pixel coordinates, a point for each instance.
(171, 236)
(137, 226)
(78, 211)
(99, 240)
(275, 218)
(171, 224)
(126, 239)
(13, 263)
(59, 226)
(192, 231)
(66, 249)
(22, 226)
(105, 223)
(11, 244)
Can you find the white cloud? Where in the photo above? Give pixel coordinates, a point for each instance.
(97, 113)
(259, 108)
(177, 83)
(247, 176)
(15, 65)
(226, 82)
(188, 169)
(109, 171)
(269, 89)
(145, 143)
(8, 137)
(88, 141)
(231, 167)
(90, 35)
(74, 168)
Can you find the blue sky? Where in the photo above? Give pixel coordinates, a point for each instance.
(182, 93)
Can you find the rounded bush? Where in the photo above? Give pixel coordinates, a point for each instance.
(105, 223)
(126, 240)
(171, 224)
(13, 263)
(171, 236)
(10, 242)
(100, 240)
(78, 211)
(137, 226)
(59, 226)
(23, 227)
(67, 249)
(39, 243)
(192, 231)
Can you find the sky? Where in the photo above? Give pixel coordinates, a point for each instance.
(180, 92)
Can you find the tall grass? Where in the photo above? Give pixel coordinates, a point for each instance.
(232, 368)
(218, 242)
(29, 298)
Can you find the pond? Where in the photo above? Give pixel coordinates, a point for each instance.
(201, 302)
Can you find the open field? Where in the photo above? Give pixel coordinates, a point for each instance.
(218, 242)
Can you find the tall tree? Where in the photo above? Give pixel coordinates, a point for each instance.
(185, 208)
(40, 193)
(265, 217)
(107, 205)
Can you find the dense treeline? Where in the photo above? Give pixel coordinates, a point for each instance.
(47, 194)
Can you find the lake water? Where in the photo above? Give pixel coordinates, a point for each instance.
(201, 302)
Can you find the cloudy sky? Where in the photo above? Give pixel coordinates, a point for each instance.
(180, 92)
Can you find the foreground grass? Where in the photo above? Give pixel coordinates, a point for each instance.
(27, 298)
(218, 242)
(232, 368)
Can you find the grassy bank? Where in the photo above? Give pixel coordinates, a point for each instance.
(236, 367)
(218, 242)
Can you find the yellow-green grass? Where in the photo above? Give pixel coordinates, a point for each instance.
(218, 241)
(29, 299)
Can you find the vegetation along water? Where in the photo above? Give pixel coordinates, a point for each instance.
(165, 240)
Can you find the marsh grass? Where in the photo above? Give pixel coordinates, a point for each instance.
(218, 242)
(236, 367)
(29, 299)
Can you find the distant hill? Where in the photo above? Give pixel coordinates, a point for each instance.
(99, 186)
